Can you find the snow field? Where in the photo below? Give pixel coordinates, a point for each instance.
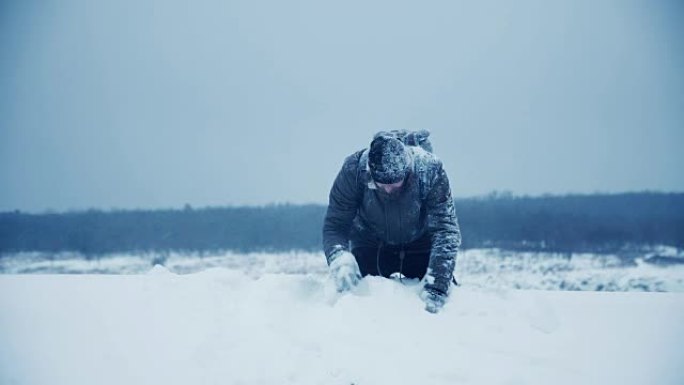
(222, 326)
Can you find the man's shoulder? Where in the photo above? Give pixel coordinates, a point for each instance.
(353, 161)
(424, 160)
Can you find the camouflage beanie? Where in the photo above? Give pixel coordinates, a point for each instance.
(388, 160)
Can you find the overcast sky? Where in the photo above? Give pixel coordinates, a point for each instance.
(148, 104)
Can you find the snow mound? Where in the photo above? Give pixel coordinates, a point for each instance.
(221, 326)
(159, 270)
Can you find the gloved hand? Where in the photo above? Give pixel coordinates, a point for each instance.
(434, 299)
(344, 270)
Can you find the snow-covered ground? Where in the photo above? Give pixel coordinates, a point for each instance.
(221, 326)
(276, 319)
(476, 268)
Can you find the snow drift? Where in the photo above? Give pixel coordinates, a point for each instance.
(477, 268)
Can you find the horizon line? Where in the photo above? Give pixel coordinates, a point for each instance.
(495, 194)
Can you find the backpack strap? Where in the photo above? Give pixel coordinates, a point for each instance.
(362, 163)
(421, 172)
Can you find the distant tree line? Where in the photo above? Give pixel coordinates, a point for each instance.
(576, 223)
(592, 223)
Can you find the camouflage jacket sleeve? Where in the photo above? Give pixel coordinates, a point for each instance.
(445, 232)
(342, 208)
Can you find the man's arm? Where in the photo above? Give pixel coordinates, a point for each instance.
(446, 236)
(342, 207)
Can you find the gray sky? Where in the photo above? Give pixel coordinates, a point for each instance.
(147, 104)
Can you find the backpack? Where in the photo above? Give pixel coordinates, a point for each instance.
(414, 138)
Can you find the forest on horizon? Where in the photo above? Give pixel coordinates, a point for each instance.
(568, 223)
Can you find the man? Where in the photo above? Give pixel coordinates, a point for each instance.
(390, 211)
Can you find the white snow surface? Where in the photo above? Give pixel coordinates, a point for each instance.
(222, 326)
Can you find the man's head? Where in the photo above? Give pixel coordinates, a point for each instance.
(389, 161)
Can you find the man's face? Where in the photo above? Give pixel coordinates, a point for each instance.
(390, 188)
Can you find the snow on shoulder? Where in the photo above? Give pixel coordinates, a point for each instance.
(222, 326)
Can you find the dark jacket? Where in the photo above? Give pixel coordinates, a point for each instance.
(360, 214)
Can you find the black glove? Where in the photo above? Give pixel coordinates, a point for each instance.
(434, 299)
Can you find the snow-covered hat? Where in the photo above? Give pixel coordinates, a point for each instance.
(388, 160)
